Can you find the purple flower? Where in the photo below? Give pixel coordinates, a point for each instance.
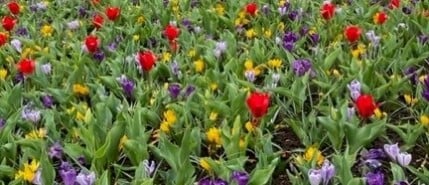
(351, 111)
(293, 15)
(37, 180)
(189, 90)
(83, 12)
(407, 10)
(288, 46)
(283, 10)
(17, 45)
(56, 151)
(374, 153)
(375, 40)
(327, 172)
(99, 55)
(242, 178)
(373, 163)
(19, 77)
(174, 66)
(411, 73)
(290, 37)
(67, 174)
(46, 68)
(304, 30)
(250, 75)
(423, 39)
(355, 89)
(127, 85)
(375, 178)
(48, 101)
(403, 158)
(30, 114)
(301, 66)
(112, 47)
(314, 176)
(22, 31)
(174, 90)
(209, 181)
(392, 150)
(85, 178)
(81, 160)
(149, 167)
(425, 92)
(314, 38)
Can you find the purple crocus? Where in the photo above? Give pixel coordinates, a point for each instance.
(375, 178)
(411, 73)
(99, 55)
(293, 15)
(2, 123)
(290, 37)
(29, 113)
(283, 10)
(327, 172)
(220, 48)
(289, 46)
(56, 151)
(314, 38)
(351, 111)
(127, 85)
(374, 153)
(67, 173)
(174, 90)
(250, 75)
(425, 92)
(22, 32)
(407, 10)
(242, 178)
(85, 178)
(83, 12)
(302, 66)
(19, 77)
(37, 180)
(314, 176)
(48, 101)
(189, 90)
(209, 181)
(423, 38)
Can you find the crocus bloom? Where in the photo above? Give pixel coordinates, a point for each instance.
(301, 67)
(403, 158)
(48, 101)
(354, 88)
(174, 66)
(314, 176)
(98, 55)
(374, 153)
(370, 35)
(37, 180)
(8, 23)
(2, 123)
(17, 45)
(411, 73)
(67, 174)
(46, 68)
(127, 85)
(327, 172)
(85, 178)
(365, 105)
(56, 151)
(392, 150)
(149, 166)
(423, 39)
(380, 18)
(282, 10)
(189, 90)
(220, 48)
(352, 33)
(30, 114)
(258, 104)
(92, 43)
(375, 178)
(251, 9)
(174, 90)
(13, 7)
(146, 59)
(242, 178)
(425, 92)
(250, 75)
(73, 25)
(113, 13)
(328, 10)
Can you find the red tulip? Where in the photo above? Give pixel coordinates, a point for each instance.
(13, 7)
(258, 104)
(394, 4)
(328, 10)
(365, 105)
(352, 33)
(26, 66)
(3, 39)
(8, 23)
(252, 9)
(147, 60)
(92, 42)
(380, 18)
(171, 32)
(97, 21)
(113, 13)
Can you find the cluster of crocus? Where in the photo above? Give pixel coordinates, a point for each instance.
(373, 159)
(289, 40)
(175, 90)
(395, 154)
(323, 175)
(69, 175)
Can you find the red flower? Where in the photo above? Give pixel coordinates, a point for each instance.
(13, 7)
(328, 10)
(352, 33)
(258, 104)
(26, 66)
(3, 39)
(394, 4)
(92, 43)
(251, 9)
(8, 23)
(365, 105)
(380, 18)
(147, 60)
(97, 21)
(113, 13)
(171, 32)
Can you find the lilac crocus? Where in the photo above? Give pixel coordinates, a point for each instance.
(290, 37)
(56, 151)
(375, 178)
(355, 89)
(85, 178)
(18, 78)
(293, 15)
(301, 67)
(149, 166)
(289, 46)
(67, 173)
(46, 68)
(392, 150)
(314, 38)
(174, 90)
(351, 111)
(327, 172)
(242, 178)
(282, 10)
(73, 25)
(30, 114)
(220, 48)
(403, 158)
(314, 176)
(127, 85)
(250, 75)
(47, 101)
(17, 45)
(37, 180)
(175, 69)
(375, 40)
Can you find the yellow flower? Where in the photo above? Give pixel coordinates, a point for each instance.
(248, 65)
(3, 73)
(281, 26)
(249, 127)
(36, 134)
(313, 153)
(80, 89)
(336, 73)
(199, 65)
(359, 51)
(242, 144)
(192, 53)
(213, 136)
(282, 2)
(122, 142)
(80, 116)
(220, 9)
(27, 53)
(213, 116)
(379, 114)
(204, 164)
(170, 117)
(213, 86)
(140, 20)
(165, 127)
(166, 56)
(267, 33)
(47, 30)
(410, 100)
(136, 37)
(250, 33)
(28, 172)
(424, 120)
(275, 63)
